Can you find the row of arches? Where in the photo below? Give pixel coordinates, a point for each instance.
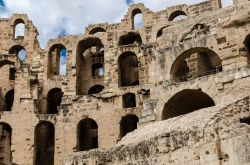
(44, 143)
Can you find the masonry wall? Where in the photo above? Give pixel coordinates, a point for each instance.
(163, 44)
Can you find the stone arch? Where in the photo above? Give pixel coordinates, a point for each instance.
(54, 99)
(97, 30)
(195, 62)
(87, 135)
(5, 139)
(177, 15)
(160, 32)
(128, 124)
(19, 28)
(95, 89)
(128, 69)
(135, 12)
(19, 51)
(9, 100)
(186, 101)
(57, 60)
(44, 143)
(128, 100)
(11, 69)
(90, 51)
(129, 39)
(247, 45)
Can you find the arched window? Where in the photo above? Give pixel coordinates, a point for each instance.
(19, 51)
(128, 69)
(186, 101)
(87, 135)
(57, 60)
(195, 62)
(5, 150)
(54, 99)
(9, 100)
(95, 89)
(128, 100)
(97, 30)
(137, 19)
(19, 28)
(128, 124)
(89, 63)
(129, 39)
(226, 3)
(44, 143)
(177, 15)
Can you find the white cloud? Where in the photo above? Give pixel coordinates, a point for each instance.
(54, 16)
(71, 16)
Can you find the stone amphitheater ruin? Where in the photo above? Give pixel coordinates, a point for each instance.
(179, 89)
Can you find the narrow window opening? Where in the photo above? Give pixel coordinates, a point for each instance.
(12, 72)
(137, 19)
(54, 99)
(9, 100)
(128, 100)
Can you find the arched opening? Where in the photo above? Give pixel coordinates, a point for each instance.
(54, 99)
(57, 60)
(97, 30)
(87, 135)
(89, 64)
(128, 124)
(195, 62)
(128, 100)
(9, 100)
(19, 51)
(137, 19)
(186, 101)
(226, 3)
(129, 39)
(128, 69)
(247, 45)
(44, 143)
(7, 66)
(19, 28)
(5, 143)
(160, 32)
(95, 89)
(177, 15)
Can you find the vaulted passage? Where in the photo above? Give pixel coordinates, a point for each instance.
(95, 89)
(44, 143)
(5, 144)
(19, 51)
(89, 64)
(195, 62)
(54, 99)
(128, 124)
(129, 39)
(9, 100)
(87, 132)
(186, 101)
(128, 69)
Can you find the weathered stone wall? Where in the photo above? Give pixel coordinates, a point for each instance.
(160, 49)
